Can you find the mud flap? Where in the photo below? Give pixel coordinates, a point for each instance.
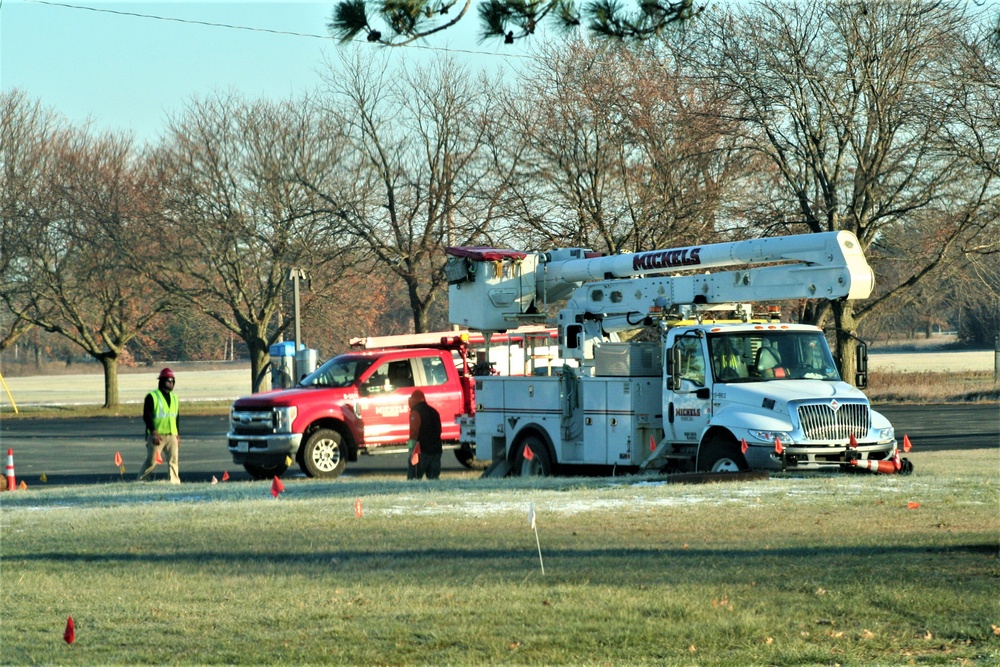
(499, 468)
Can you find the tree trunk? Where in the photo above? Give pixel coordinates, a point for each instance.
(110, 364)
(260, 358)
(846, 344)
(418, 307)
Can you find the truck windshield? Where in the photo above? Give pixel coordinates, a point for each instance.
(342, 371)
(771, 355)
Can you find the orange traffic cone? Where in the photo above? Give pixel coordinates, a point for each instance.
(884, 467)
(11, 482)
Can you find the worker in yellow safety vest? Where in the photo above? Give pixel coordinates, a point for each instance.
(159, 412)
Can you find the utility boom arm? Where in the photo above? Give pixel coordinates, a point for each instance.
(492, 289)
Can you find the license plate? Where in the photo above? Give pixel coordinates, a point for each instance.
(242, 446)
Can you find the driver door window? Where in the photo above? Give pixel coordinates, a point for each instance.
(692, 361)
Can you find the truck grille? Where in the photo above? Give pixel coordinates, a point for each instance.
(820, 421)
(252, 423)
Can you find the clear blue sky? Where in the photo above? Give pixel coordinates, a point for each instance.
(128, 72)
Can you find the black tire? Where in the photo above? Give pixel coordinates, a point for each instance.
(467, 458)
(323, 455)
(263, 471)
(721, 455)
(539, 465)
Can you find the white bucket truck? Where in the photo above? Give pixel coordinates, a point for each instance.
(705, 394)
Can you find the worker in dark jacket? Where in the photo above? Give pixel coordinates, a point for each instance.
(425, 439)
(159, 413)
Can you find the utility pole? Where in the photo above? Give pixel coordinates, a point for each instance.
(295, 275)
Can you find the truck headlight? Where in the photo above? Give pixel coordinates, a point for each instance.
(283, 418)
(886, 433)
(769, 436)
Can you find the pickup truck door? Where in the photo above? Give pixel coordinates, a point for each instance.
(437, 377)
(384, 405)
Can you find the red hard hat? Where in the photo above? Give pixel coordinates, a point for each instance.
(166, 373)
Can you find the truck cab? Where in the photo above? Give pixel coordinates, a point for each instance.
(774, 386)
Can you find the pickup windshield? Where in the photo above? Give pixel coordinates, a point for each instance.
(771, 355)
(342, 371)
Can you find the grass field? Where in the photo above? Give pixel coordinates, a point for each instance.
(794, 570)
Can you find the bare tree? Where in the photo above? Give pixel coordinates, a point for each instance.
(616, 151)
(234, 221)
(421, 164)
(854, 106)
(24, 128)
(64, 273)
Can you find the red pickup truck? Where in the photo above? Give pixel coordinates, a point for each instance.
(357, 403)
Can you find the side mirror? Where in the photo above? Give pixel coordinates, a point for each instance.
(673, 366)
(861, 363)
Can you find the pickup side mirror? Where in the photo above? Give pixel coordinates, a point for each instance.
(673, 368)
(861, 370)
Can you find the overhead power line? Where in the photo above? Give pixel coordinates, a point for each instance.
(230, 26)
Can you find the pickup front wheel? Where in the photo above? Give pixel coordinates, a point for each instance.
(323, 456)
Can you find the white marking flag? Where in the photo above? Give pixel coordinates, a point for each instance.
(531, 520)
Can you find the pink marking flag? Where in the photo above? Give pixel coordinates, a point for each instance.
(276, 487)
(357, 508)
(778, 448)
(159, 457)
(744, 446)
(214, 480)
(652, 444)
(528, 454)
(907, 445)
(225, 475)
(69, 635)
(853, 442)
(118, 459)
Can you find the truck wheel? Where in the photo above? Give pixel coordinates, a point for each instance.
(323, 456)
(540, 464)
(721, 455)
(263, 471)
(467, 458)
